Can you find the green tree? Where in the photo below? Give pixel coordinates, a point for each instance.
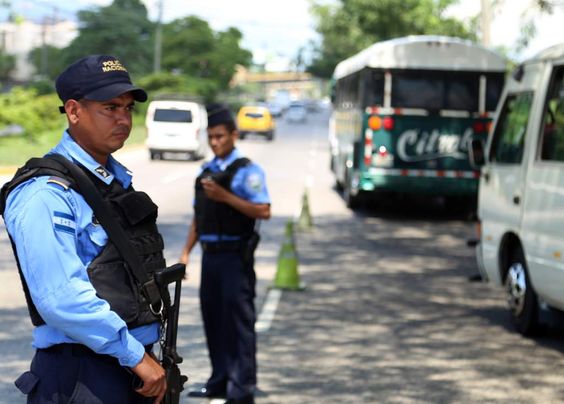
(187, 44)
(48, 61)
(7, 65)
(351, 25)
(121, 29)
(192, 48)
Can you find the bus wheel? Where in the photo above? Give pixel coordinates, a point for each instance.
(352, 201)
(522, 299)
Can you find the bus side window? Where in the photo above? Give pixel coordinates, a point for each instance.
(552, 147)
(509, 136)
(373, 88)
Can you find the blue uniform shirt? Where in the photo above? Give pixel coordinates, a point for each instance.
(248, 183)
(56, 240)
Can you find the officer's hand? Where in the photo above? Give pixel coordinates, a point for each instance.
(184, 260)
(214, 191)
(184, 257)
(153, 376)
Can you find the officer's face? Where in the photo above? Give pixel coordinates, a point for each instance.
(101, 128)
(221, 140)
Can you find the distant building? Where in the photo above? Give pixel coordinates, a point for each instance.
(299, 85)
(21, 37)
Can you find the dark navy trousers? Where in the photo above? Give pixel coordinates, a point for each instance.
(70, 377)
(227, 294)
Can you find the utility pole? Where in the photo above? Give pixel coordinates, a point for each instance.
(485, 19)
(47, 27)
(7, 4)
(158, 39)
(44, 58)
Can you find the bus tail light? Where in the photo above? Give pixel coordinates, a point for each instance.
(479, 127)
(388, 123)
(368, 147)
(375, 122)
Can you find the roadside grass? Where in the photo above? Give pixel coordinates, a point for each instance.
(15, 151)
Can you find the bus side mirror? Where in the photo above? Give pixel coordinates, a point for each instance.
(476, 153)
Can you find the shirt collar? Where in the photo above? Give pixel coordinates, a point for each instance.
(223, 163)
(113, 169)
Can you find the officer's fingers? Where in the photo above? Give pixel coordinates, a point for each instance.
(153, 389)
(160, 396)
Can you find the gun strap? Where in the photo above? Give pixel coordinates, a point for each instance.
(112, 227)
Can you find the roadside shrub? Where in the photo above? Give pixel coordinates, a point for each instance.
(34, 113)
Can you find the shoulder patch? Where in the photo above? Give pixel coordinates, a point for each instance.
(64, 222)
(254, 182)
(59, 181)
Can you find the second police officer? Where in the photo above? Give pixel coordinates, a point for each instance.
(231, 194)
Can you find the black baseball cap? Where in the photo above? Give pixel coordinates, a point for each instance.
(218, 114)
(96, 78)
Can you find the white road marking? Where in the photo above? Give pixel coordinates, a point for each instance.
(268, 310)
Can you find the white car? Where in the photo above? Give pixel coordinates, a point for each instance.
(175, 126)
(296, 112)
(521, 194)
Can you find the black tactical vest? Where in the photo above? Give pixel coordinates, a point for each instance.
(216, 217)
(109, 274)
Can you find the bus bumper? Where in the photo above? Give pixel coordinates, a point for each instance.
(373, 181)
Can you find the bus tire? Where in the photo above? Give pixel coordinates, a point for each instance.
(352, 201)
(521, 297)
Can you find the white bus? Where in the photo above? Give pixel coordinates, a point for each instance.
(405, 111)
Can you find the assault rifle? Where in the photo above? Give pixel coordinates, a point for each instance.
(170, 358)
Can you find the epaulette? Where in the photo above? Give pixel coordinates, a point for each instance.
(59, 181)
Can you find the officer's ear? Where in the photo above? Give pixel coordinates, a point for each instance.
(71, 108)
(235, 134)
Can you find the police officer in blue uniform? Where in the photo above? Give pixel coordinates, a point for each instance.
(88, 349)
(231, 194)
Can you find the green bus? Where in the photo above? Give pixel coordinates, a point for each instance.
(404, 114)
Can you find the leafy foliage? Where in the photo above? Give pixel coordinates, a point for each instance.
(352, 25)
(35, 114)
(205, 57)
(121, 29)
(48, 61)
(7, 64)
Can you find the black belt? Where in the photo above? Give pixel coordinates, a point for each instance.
(221, 246)
(83, 350)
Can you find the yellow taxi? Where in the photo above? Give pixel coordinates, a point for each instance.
(255, 119)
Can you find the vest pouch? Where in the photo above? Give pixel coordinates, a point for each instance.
(114, 284)
(136, 207)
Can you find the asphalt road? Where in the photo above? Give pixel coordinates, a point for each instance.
(388, 315)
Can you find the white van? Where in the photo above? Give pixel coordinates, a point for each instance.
(176, 127)
(521, 193)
